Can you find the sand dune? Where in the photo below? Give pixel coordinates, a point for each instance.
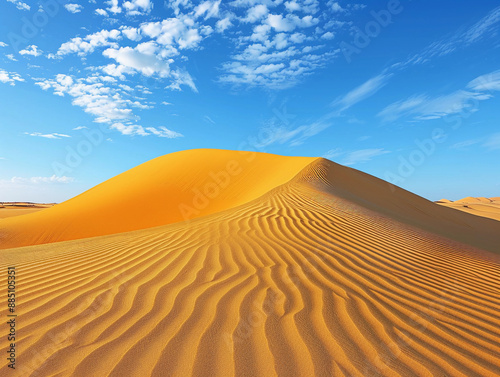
(485, 207)
(172, 188)
(331, 273)
(11, 209)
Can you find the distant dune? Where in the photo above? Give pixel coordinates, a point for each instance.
(485, 207)
(297, 267)
(11, 209)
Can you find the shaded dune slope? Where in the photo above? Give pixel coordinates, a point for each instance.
(305, 280)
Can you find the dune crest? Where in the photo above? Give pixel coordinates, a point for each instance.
(319, 276)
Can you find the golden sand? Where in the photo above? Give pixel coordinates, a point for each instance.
(486, 207)
(322, 271)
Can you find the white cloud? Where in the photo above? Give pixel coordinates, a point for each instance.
(73, 8)
(143, 58)
(135, 130)
(31, 50)
(363, 155)
(335, 6)
(86, 45)
(138, 7)
(20, 5)
(113, 7)
(290, 22)
(223, 24)
(106, 103)
(10, 77)
(47, 136)
(80, 128)
(41, 180)
(11, 57)
(101, 12)
(132, 33)
(180, 77)
(360, 93)
(3, 44)
(164, 132)
(256, 13)
(328, 35)
(207, 9)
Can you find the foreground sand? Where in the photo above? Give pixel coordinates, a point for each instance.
(332, 273)
(486, 207)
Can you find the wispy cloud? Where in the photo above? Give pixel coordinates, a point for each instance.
(333, 153)
(493, 142)
(465, 144)
(488, 82)
(136, 130)
(363, 155)
(208, 119)
(40, 180)
(487, 27)
(293, 136)
(360, 93)
(424, 107)
(47, 136)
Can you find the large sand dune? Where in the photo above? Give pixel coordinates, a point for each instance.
(330, 272)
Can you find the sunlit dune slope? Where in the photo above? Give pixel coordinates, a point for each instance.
(313, 278)
(165, 190)
(485, 207)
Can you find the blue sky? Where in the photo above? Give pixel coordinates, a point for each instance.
(407, 91)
